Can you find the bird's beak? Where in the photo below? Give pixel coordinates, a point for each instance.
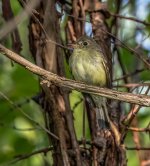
(71, 46)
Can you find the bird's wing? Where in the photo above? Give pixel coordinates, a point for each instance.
(108, 72)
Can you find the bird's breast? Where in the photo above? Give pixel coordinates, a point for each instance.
(88, 68)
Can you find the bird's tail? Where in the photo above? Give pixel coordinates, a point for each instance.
(102, 120)
(101, 112)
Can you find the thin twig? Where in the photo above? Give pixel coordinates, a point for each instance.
(130, 18)
(25, 156)
(139, 129)
(133, 85)
(19, 129)
(137, 71)
(139, 148)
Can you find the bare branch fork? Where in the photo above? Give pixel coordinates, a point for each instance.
(142, 100)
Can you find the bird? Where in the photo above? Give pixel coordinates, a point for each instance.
(89, 65)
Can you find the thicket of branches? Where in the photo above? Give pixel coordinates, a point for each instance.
(60, 124)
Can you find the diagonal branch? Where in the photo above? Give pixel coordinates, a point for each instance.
(25, 156)
(135, 148)
(130, 18)
(146, 129)
(142, 100)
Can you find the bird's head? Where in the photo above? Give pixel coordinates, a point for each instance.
(85, 42)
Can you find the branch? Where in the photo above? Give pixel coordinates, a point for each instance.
(142, 100)
(130, 18)
(133, 85)
(25, 156)
(139, 129)
(137, 71)
(139, 148)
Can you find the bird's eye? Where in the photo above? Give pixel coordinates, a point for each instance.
(85, 43)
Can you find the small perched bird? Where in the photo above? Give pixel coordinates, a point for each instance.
(89, 65)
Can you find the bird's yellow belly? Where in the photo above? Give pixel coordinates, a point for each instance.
(90, 72)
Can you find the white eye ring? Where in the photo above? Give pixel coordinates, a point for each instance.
(80, 42)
